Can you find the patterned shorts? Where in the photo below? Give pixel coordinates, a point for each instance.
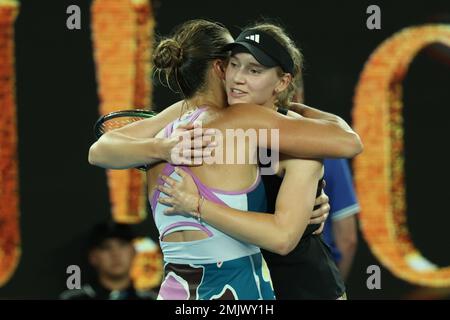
(245, 278)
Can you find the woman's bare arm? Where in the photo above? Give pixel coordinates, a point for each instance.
(134, 145)
(323, 137)
(313, 113)
(279, 232)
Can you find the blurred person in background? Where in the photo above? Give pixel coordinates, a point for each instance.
(110, 253)
(340, 231)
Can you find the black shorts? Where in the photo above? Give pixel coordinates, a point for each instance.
(308, 272)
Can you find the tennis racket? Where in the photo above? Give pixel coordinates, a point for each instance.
(118, 119)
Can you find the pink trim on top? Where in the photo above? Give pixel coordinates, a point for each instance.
(247, 190)
(196, 114)
(169, 128)
(203, 190)
(186, 223)
(167, 171)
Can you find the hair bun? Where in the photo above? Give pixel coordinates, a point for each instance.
(168, 54)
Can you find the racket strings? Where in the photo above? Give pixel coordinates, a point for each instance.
(117, 123)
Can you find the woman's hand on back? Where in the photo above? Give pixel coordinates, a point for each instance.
(182, 196)
(189, 145)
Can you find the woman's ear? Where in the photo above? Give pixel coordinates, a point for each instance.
(285, 80)
(219, 68)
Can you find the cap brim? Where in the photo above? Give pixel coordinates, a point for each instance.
(257, 53)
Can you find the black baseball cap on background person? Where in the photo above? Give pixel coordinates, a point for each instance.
(109, 230)
(266, 50)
